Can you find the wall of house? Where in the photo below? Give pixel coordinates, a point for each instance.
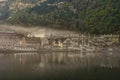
(9, 40)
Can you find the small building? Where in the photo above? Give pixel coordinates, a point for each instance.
(45, 42)
(68, 42)
(9, 39)
(33, 42)
(56, 41)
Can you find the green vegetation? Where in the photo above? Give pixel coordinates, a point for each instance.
(89, 16)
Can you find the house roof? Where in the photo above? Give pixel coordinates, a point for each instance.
(33, 39)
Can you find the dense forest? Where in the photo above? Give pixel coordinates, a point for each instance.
(88, 16)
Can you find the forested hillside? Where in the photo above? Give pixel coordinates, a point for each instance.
(89, 16)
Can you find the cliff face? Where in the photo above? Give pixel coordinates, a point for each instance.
(15, 5)
(21, 4)
(9, 7)
(4, 9)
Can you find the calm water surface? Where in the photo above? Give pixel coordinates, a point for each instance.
(45, 66)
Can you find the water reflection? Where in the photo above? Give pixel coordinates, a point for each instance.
(35, 65)
(48, 59)
(42, 63)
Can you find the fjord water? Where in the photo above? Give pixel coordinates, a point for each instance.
(60, 66)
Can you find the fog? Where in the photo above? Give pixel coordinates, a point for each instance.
(36, 31)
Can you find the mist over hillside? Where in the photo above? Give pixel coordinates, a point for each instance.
(86, 16)
(37, 31)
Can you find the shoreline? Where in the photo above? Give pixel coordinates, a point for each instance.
(10, 51)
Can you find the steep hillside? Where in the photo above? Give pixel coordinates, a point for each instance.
(4, 10)
(89, 16)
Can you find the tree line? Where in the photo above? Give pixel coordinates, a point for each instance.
(88, 16)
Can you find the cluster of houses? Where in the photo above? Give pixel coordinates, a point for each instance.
(106, 40)
(76, 40)
(17, 41)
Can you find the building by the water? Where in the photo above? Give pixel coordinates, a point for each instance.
(17, 41)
